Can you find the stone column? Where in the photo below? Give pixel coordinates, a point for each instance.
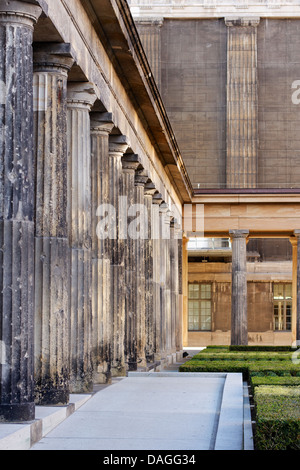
(81, 97)
(101, 126)
(17, 190)
(173, 285)
(185, 277)
(176, 289)
(118, 145)
(294, 243)
(141, 179)
(297, 320)
(164, 255)
(239, 326)
(156, 201)
(130, 164)
(52, 256)
(149, 192)
(242, 127)
(168, 305)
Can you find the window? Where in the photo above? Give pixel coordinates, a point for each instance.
(199, 307)
(282, 295)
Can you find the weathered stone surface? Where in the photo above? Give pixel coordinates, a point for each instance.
(101, 126)
(141, 178)
(81, 97)
(117, 147)
(52, 255)
(130, 163)
(16, 211)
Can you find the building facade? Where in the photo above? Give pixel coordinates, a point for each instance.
(228, 73)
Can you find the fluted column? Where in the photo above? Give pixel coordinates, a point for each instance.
(81, 97)
(179, 314)
(52, 256)
(101, 126)
(175, 308)
(130, 164)
(117, 147)
(156, 240)
(242, 127)
(149, 192)
(141, 179)
(164, 286)
(17, 190)
(239, 322)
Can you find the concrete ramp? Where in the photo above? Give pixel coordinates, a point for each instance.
(157, 411)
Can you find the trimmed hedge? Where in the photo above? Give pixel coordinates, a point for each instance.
(261, 348)
(259, 367)
(275, 383)
(278, 417)
(290, 381)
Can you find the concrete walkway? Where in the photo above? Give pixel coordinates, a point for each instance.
(147, 410)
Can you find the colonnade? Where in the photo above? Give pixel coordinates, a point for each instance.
(79, 304)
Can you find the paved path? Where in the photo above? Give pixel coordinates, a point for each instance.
(157, 411)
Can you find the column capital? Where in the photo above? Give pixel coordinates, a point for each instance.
(239, 233)
(17, 11)
(118, 144)
(48, 57)
(150, 189)
(101, 123)
(130, 162)
(81, 95)
(141, 178)
(157, 198)
(297, 233)
(242, 22)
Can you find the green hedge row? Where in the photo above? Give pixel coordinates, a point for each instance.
(243, 356)
(255, 368)
(277, 417)
(275, 383)
(291, 381)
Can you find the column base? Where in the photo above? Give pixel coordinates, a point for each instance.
(118, 372)
(19, 412)
(102, 378)
(52, 397)
(132, 366)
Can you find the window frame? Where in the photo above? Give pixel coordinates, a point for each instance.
(283, 305)
(204, 301)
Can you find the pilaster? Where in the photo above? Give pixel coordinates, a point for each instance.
(242, 127)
